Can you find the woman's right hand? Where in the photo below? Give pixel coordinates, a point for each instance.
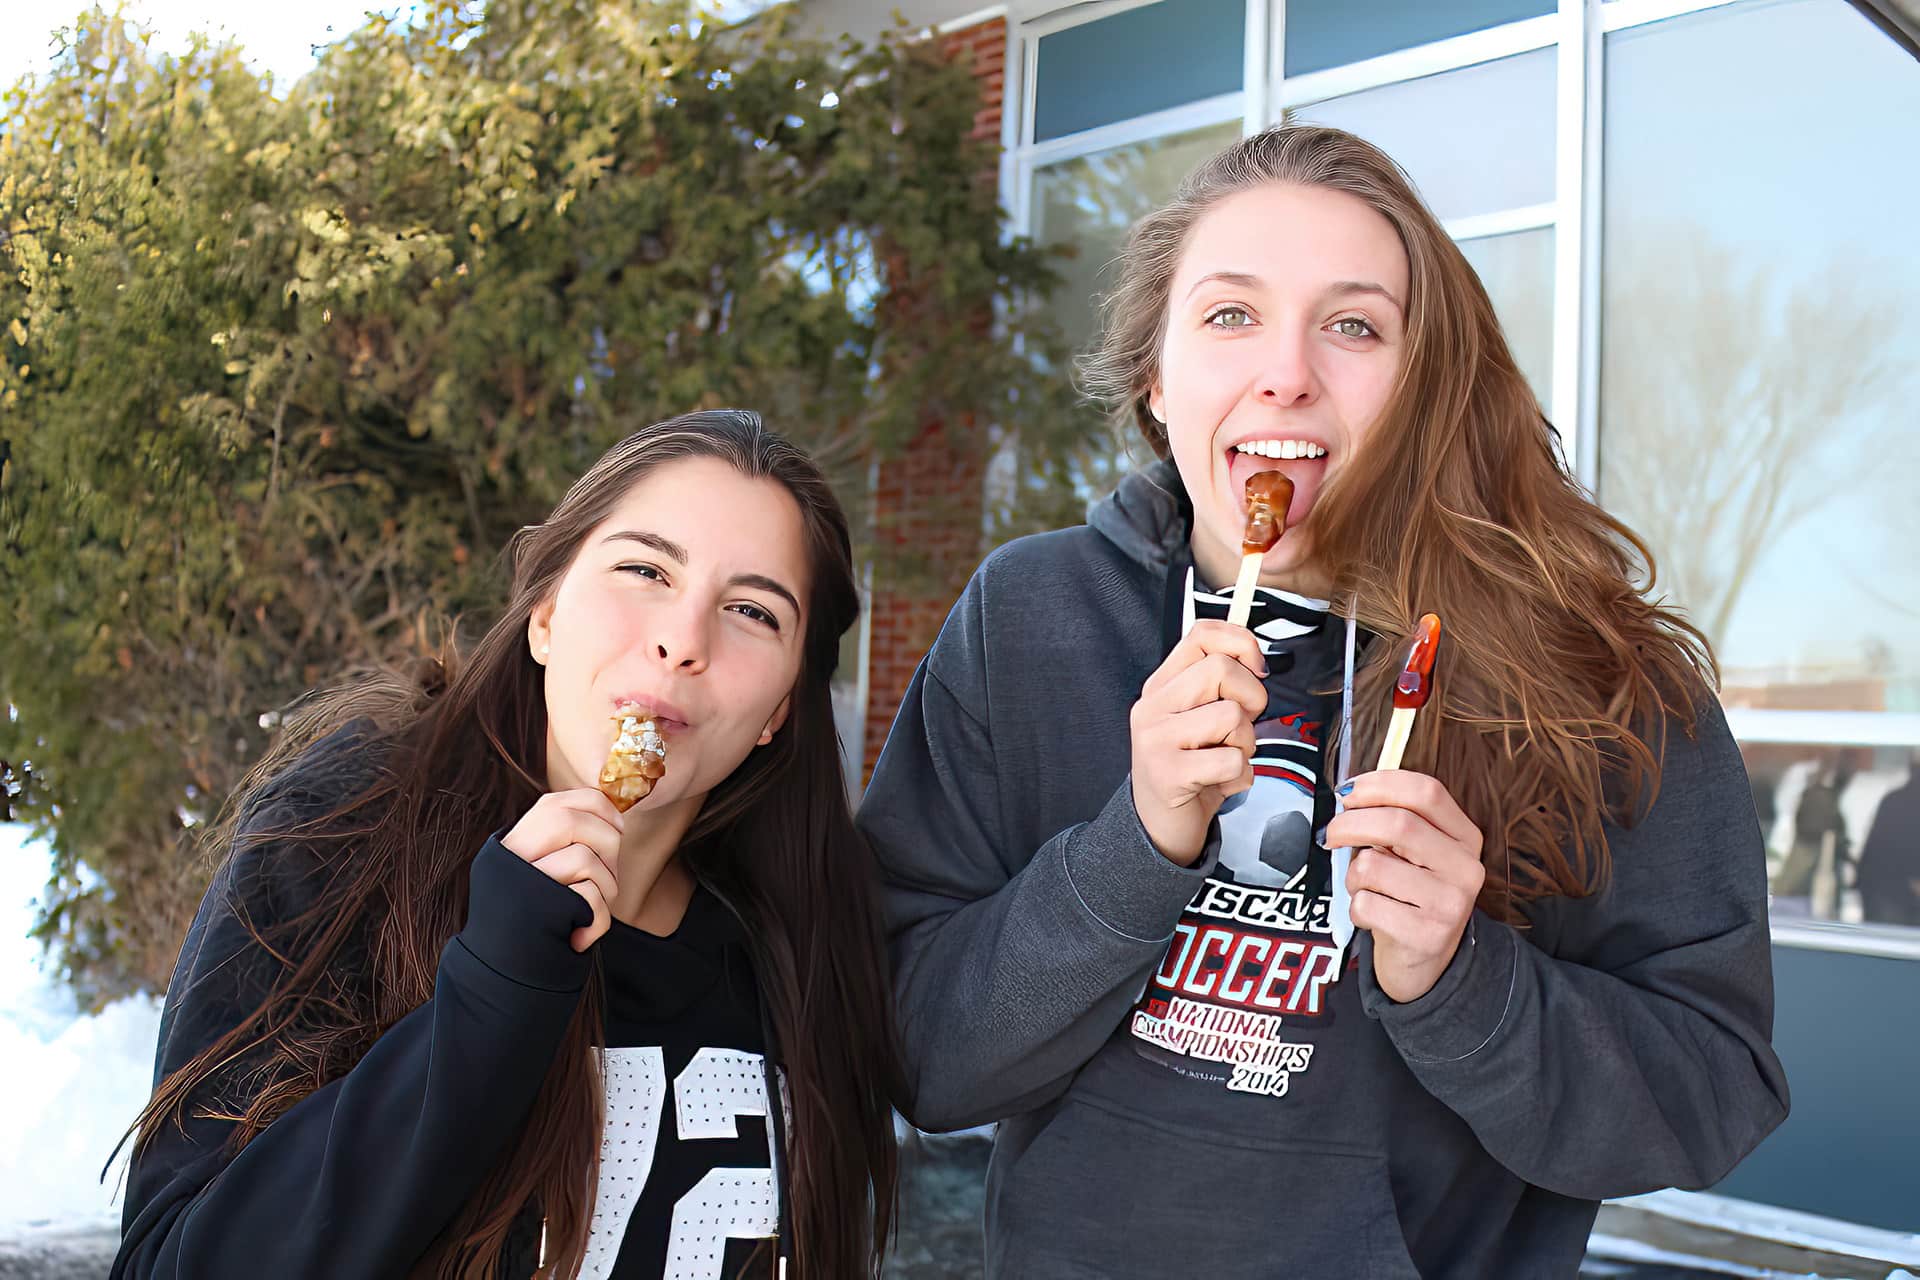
(574, 838)
(1193, 735)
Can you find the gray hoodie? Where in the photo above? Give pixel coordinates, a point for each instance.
(1617, 1045)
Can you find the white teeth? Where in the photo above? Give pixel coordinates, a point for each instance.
(1281, 449)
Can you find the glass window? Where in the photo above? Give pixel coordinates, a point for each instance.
(1842, 826)
(1758, 373)
(1138, 62)
(1089, 204)
(1476, 140)
(1517, 270)
(1332, 33)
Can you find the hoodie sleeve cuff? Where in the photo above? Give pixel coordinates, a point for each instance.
(520, 921)
(1463, 1011)
(1123, 881)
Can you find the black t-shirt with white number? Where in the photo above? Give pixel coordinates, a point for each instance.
(371, 1168)
(686, 1191)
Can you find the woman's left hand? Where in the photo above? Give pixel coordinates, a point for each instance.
(1414, 877)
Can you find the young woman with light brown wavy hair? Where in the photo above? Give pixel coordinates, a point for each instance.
(1105, 812)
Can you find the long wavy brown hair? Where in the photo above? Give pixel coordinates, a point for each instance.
(463, 755)
(1558, 674)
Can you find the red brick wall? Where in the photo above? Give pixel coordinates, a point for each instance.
(929, 499)
(987, 46)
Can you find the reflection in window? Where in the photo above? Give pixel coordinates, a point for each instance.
(1332, 33)
(1476, 140)
(1757, 380)
(1517, 270)
(1090, 204)
(1138, 62)
(1842, 827)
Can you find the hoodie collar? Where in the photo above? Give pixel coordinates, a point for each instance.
(1148, 517)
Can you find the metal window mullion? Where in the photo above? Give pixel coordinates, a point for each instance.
(1503, 222)
(1892, 942)
(1569, 153)
(1276, 62)
(1021, 214)
(1013, 128)
(1452, 54)
(1592, 225)
(1825, 728)
(974, 19)
(1056, 19)
(1219, 109)
(1029, 84)
(1253, 74)
(1618, 15)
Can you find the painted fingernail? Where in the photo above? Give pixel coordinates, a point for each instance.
(1344, 789)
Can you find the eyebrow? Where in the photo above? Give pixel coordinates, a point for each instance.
(1343, 287)
(1240, 278)
(1339, 288)
(673, 550)
(665, 546)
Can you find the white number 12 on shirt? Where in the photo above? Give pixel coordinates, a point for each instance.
(718, 1085)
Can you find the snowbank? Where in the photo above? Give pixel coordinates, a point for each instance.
(72, 1084)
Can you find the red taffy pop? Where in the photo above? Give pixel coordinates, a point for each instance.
(1415, 685)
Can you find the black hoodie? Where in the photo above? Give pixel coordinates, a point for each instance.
(1055, 973)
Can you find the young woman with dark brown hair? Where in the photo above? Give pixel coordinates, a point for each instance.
(447, 1011)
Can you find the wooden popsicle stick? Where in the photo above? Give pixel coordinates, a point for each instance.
(1241, 606)
(1399, 730)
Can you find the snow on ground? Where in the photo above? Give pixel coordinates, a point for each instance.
(72, 1084)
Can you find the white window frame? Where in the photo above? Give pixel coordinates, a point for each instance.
(1577, 30)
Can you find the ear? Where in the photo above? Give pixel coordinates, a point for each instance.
(776, 721)
(1157, 404)
(540, 631)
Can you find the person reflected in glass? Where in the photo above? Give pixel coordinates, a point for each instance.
(1815, 863)
(1889, 879)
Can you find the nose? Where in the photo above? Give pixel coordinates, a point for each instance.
(681, 640)
(1286, 376)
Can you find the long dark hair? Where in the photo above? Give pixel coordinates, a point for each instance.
(1559, 675)
(776, 839)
